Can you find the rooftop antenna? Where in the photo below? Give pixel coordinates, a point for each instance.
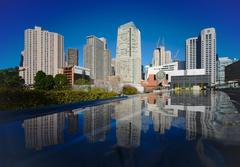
(176, 55)
(158, 42)
(163, 42)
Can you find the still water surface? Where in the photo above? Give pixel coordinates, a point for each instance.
(167, 130)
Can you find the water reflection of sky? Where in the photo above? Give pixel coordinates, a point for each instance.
(169, 129)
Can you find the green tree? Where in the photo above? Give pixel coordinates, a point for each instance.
(10, 78)
(40, 80)
(48, 82)
(60, 81)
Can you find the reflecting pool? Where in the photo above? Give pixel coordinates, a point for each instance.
(192, 129)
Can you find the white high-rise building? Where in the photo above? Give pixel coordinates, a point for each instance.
(208, 52)
(128, 54)
(43, 51)
(97, 58)
(168, 57)
(191, 53)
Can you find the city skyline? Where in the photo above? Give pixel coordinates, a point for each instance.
(162, 24)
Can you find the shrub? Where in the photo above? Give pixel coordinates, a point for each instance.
(22, 98)
(82, 81)
(129, 90)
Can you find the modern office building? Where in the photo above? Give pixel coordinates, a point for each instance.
(43, 51)
(176, 77)
(221, 64)
(128, 54)
(97, 58)
(208, 52)
(72, 57)
(193, 78)
(232, 72)
(191, 53)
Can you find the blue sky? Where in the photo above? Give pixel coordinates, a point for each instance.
(173, 21)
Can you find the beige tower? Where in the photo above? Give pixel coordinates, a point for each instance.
(97, 58)
(128, 54)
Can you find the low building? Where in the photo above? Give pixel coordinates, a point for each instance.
(221, 64)
(73, 73)
(189, 78)
(191, 81)
(165, 68)
(175, 78)
(232, 72)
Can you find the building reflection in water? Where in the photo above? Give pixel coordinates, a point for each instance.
(44, 131)
(72, 122)
(97, 121)
(162, 117)
(128, 122)
(207, 115)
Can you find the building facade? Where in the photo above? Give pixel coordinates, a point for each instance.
(43, 51)
(128, 54)
(191, 53)
(221, 64)
(232, 72)
(168, 57)
(73, 73)
(72, 57)
(208, 52)
(97, 58)
(161, 56)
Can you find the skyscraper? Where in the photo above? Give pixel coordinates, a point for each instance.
(43, 51)
(168, 57)
(191, 53)
(128, 54)
(72, 57)
(158, 56)
(161, 56)
(200, 52)
(97, 58)
(208, 52)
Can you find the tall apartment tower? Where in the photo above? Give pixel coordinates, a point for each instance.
(43, 51)
(72, 57)
(128, 54)
(208, 52)
(97, 58)
(191, 46)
